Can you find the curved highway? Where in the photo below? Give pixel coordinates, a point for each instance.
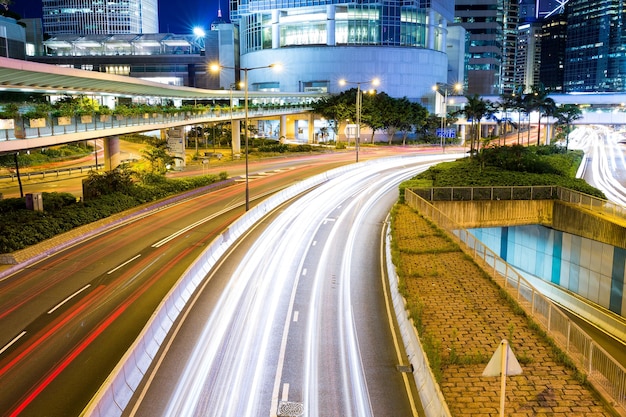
(301, 324)
(605, 166)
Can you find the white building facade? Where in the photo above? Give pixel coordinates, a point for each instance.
(320, 42)
(92, 17)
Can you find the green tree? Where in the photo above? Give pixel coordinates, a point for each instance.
(159, 157)
(475, 109)
(544, 105)
(565, 115)
(103, 183)
(415, 120)
(336, 108)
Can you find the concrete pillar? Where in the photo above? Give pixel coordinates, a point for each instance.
(275, 29)
(330, 25)
(463, 132)
(444, 35)
(311, 129)
(431, 29)
(283, 127)
(112, 156)
(236, 136)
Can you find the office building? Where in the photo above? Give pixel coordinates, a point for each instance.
(595, 58)
(93, 17)
(492, 26)
(12, 38)
(528, 56)
(320, 42)
(553, 41)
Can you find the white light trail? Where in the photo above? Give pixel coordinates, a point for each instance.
(235, 368)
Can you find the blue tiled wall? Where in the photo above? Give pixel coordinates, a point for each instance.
(591, 269)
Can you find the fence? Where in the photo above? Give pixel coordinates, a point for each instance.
(602, 370)
(539, 192)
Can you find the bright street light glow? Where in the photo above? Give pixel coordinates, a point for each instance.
(199, 32)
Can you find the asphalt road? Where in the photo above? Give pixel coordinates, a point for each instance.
(67, 319)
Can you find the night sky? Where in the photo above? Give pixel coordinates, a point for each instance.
(174, 16)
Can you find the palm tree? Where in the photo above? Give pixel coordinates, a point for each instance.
(566, 114)
(475, 109)
(544, 105)
(513, 102)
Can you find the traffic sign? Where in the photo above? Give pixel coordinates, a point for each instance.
(446, 133)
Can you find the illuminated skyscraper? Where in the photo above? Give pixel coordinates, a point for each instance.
(319, 42)
(492, 28)
(595, 57)
(88, 17)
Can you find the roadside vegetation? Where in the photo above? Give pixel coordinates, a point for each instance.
(110, 193)
(514, 165)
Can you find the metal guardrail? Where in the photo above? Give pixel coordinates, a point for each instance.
(600, 367)
(52, 172)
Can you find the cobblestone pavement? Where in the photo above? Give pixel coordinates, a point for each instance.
(465, 317)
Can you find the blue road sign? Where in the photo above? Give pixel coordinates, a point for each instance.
(446, 133)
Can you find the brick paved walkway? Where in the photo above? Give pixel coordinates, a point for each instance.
(466, 317)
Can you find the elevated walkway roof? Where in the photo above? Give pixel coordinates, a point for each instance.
(18, 75)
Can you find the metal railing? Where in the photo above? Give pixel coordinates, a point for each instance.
(535, 192)
(77, 124)
(597, 363)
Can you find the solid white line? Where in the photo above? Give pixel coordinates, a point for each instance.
(191, 226)
(124, 264)
(285, 392)
(69, 297)
(15, 339)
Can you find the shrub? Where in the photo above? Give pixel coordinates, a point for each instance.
(20, 228)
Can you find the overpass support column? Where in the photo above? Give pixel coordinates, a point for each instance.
(236, 136)
(282, 132)
(111, 152)
(311, 129)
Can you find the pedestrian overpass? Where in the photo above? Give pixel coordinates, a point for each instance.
(23, 76)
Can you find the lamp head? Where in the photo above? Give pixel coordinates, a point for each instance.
(277, 66)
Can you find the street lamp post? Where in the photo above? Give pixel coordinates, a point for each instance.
(217, 67)
(359, 103)
(456, 87)
(232, 152)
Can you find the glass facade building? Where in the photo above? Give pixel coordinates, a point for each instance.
(88, 17)
(321, 41)
(492, 28)
(595, 55)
